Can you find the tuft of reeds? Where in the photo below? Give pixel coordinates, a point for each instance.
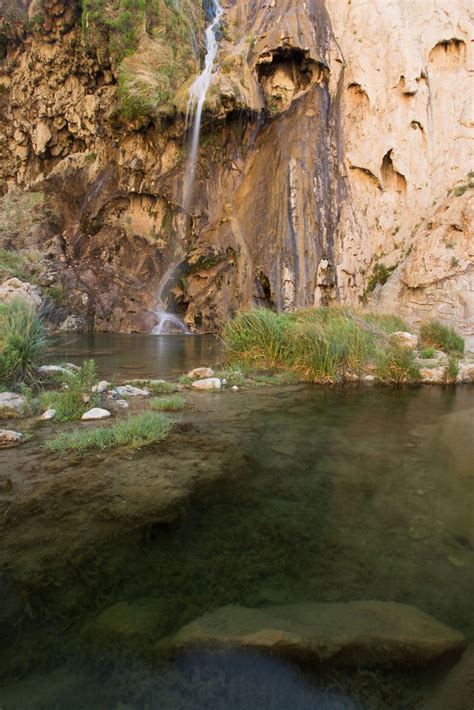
(22, 339)
(436, 335)
(321, 345)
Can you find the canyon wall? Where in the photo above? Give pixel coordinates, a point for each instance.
(334, 162)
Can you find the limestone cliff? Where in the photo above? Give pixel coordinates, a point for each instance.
(332, 134)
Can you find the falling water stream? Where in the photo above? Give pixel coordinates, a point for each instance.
(168, 322)
(198, 93)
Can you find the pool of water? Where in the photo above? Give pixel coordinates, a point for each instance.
(123, 356)
(259, 497)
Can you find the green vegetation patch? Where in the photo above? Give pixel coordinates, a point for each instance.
(152, 41)
(172, 403)
(158, 388)
(320, 344)
(441, 337)
(140, 430)
(22, 340)
(74, 400)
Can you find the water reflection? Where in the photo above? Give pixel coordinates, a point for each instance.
(132, 355)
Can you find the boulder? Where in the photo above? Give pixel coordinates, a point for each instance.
(13, 288)
(48, 415)
(130, 391)
(200, 373)
(102, 387)
(12, 405)
(210, 383)
(433, 375)
(356, 633)
(95, 413)
(9, 438)
(53, 370)
(466, 373)
(404, 339)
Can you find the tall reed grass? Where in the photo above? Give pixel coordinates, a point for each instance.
(22, 339)
(321, 344)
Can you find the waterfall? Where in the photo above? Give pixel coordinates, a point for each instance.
(198, 92)
(168, 322)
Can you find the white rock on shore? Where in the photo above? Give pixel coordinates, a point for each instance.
(200, 373)
(210, 383)
(48, 415)
(95, 413)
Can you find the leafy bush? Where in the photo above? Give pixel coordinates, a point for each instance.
(172, 403)
(140, 430)
(435, 334)
(22, 339)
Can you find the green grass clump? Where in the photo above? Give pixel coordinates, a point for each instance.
(428, 353)
(22, 340)
(452, 369)
(141, 430)
(397, 365)
(319, 344)
(157, 388)
(435, 334)
(172, 403)
(69, 403)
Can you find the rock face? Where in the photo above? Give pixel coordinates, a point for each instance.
(325, 161)
(357, 633)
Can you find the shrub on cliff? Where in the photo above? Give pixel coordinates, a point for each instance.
(22, 339)
(436, 335)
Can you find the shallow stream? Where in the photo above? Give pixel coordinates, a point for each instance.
(258, 497)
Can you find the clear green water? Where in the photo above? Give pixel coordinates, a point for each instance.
(259, 497)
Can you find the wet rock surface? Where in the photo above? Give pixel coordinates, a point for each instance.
(357, 633)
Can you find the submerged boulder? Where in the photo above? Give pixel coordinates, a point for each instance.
(355, 633)
(130, 391)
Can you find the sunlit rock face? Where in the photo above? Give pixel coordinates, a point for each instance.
(332, 131)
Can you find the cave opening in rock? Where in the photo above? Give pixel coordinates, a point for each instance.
(284, 74)
(264, 291)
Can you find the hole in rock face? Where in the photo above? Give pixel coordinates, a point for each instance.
(264, 291)
(449, 53)
(391, 178)
(286, 73)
